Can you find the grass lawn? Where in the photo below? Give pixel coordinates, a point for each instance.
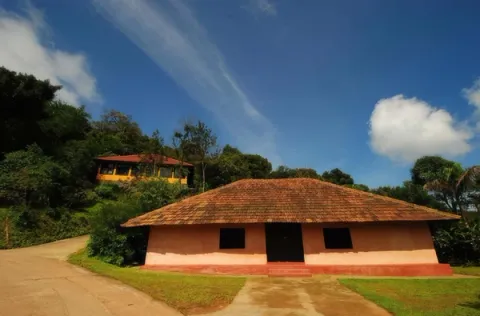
(439, 297)
(467, 270)
(186, 293)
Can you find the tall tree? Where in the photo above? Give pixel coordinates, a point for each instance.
(202, 144)
(152, 156)
(440, 177)
(337, 176)
(259, 167)
(23, 103)
(181, 144)
(117, 133)
(409, 192)
(27, 177)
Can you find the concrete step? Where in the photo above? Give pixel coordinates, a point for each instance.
(289, 272)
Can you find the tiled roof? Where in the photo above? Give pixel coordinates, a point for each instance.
(286, 200)
(138, 158)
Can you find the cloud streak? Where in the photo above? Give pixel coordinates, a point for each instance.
(25, 50)
(264, 6)
(169, 33)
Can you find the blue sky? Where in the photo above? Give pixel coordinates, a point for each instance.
(366, 86)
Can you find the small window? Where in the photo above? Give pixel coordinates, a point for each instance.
(337, 238)
(107, 168)
(232, 238)
(165, 172)
(122, 170)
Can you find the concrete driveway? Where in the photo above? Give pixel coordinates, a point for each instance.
(37, 281)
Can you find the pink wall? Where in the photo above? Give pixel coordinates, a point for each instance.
(199, 244)
(389, 243)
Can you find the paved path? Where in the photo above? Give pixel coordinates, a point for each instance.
(36, 281)
(298, 297)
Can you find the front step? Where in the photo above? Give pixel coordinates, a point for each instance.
(289, 272)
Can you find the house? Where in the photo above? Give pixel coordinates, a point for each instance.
(292, 226)
(126, 168)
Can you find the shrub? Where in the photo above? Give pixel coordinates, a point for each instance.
(458, 243)
(115, 244)
(109, 191)
(28, 227)
(124, 246)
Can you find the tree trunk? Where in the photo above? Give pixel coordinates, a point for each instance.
(7, 232)
(203, 177)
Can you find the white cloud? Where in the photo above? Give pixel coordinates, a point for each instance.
(472, 95)
(406, 129)
(169, 33)
(263, 6)
(25, 50)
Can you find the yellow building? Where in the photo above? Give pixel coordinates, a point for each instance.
(129, 167)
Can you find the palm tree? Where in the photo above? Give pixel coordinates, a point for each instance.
(452, 184)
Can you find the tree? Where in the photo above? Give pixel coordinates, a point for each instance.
(258, 167)
(28, 177)
(63, 123)
(152, 157)
(361, 187)
(440, 177)
(337, 176)
(182, 145)
(283, 172)
(306, 173)
(23, 103)
(202, 144)
(409, 192)
(117, 133)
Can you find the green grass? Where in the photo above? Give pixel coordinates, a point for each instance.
(425, 297)
(467, 270)
(186, 293)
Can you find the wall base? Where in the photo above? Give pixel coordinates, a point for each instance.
(428, 269)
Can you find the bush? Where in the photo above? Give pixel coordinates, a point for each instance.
(112, 243)
(458, 243)
(124, 246)
(109, 191)
(28, 227)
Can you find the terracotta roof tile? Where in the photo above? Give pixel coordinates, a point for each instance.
(138, 158)
(286, 200)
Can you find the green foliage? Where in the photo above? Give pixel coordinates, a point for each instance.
(410, 192)
(29, 177)
(123, 246)
(23, 102)
(361, 187)
(113, 243)
(22, 226)
(117, 133)
(458, 243)
(337, 176)
(155, 193)
(108, 190)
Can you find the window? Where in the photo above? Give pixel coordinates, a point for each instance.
(122, 170)
(165, 172)
(337, 238)
(107, 168)
(232, 238)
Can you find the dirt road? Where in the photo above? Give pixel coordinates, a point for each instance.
(37, 281)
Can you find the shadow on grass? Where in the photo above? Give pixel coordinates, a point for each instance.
(474, 304)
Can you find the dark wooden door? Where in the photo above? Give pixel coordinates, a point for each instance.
(284, 242)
